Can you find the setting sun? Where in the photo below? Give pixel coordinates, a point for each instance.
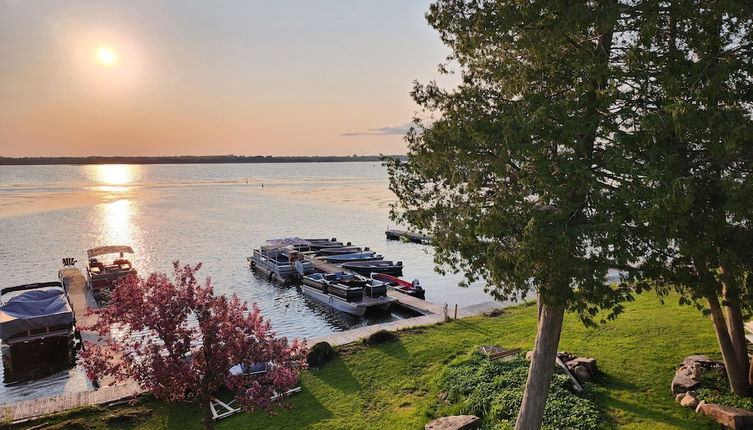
(107, 56)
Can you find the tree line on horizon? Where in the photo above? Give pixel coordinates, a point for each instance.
(191, 159)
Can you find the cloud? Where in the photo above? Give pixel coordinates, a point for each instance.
(384, 131)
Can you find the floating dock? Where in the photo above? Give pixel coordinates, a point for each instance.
(408, 236)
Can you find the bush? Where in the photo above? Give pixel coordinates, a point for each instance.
(382, 336)
(320, 354)
(715, 389)
(494, 390)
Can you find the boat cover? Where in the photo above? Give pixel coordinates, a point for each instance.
(113, 249)
(34, 309)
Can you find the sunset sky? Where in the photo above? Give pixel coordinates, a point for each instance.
(287, 77)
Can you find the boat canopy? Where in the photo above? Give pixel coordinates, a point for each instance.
(32, 307)
(113, 249)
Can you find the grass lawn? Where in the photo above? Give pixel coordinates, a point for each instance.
(393, 386)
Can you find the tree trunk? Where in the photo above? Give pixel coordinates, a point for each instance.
(737, 380)
(750, 376)
(735, 326)
(541, 369)
(206, 413)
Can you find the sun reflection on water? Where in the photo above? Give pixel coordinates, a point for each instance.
(117, 228)
(114, 177)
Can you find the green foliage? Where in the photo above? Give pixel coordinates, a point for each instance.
(494, 390)
(320, 354)
(514, 173)
(715, 389)
(381, 336)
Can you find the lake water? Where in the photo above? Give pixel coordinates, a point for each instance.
(210, 213)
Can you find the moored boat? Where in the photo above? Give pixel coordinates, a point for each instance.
(343, 250)
(36, 319)
(278, 261)
(359, 256)
(348, 293)
(366, 268)
(410, 288)
(102, 276)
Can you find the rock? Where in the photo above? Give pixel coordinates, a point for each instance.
(588, 363)
(581, 373)
(734, 418)
(679, 397)
(684, 381)
(457, 422)
(566, 356)
(689, 401)
(700, 405)
(701, 360)
(442, 395)
(529, 355)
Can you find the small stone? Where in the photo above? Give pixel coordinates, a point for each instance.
(529, 355)
(442, 395)
(679, 397)
(457, 422)
(733, 418)
(689, 401)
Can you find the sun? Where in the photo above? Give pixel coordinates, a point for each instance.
(107, 56)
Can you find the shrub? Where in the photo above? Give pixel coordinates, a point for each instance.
(715, 389)
(494, 390)
(320, 354)
(382, 336)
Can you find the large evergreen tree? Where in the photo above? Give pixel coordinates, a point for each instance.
(514, 177)
(690, 87)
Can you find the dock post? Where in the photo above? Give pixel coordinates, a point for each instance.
(456, 312)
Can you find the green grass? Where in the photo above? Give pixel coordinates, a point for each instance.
(394, 385)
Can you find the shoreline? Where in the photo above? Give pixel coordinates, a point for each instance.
(188, 159)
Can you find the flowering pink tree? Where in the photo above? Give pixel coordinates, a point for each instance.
(178, 340)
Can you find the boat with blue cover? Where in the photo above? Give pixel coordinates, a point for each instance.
(366, 268)
(359, 256)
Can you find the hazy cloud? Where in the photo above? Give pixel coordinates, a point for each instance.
(384, 131)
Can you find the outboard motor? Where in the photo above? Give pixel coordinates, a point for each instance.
(416, 285)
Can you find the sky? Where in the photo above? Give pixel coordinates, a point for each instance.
(190, 77)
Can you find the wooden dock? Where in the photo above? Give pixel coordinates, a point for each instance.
(408, 236)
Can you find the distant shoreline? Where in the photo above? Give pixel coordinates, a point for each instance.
(186, 159)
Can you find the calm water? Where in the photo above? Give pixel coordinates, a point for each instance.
(214, 214)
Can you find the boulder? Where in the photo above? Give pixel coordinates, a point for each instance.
(684, 380)
(588, 363)
(689, 401)
(700, 361)
(581, 373)
(457, 422)
(734, 418)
